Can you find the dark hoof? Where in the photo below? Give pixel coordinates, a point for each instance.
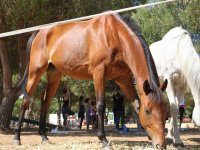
(107, 147)
(178, 145)
(16, 142)
(169, 141)
(46, 142)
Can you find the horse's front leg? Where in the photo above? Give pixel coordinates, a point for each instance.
(99, 84)
(173, 131)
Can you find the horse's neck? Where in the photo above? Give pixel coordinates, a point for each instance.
(137, 62)
(137, 56)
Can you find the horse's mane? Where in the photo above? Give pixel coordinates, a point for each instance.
(174, 33)
(188, 59)
(153, 76)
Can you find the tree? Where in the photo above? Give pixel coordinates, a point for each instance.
(9, 93)
(156, 21)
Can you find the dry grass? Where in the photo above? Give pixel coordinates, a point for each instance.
(85, 146)
(134, 140)
(82, 146)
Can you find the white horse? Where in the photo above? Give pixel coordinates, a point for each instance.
(177, 60)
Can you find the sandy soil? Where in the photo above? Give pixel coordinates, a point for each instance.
(74, 139)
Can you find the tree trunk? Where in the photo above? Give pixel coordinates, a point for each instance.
(9, 96)
(6, 111)
(1, 86)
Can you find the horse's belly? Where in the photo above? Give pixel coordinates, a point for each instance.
(84, 71)
(78, 73)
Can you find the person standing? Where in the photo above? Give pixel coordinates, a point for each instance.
(81, 112)
(65, 107)
(91, 115)
(181, 110)
(118, 108)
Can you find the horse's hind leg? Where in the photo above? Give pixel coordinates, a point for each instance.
(54, 77)
(99, 84)
(33, 79)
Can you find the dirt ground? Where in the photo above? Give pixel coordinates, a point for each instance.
(74, 139)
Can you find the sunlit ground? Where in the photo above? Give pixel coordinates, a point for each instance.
(81, 140)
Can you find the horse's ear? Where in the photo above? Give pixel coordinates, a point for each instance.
(163, 86)
(146, 87)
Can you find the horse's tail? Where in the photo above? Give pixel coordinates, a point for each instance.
(189, 61)
(22, 83)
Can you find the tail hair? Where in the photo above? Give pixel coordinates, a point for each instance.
(22, 83)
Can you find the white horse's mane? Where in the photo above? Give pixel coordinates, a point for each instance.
(189, 61)
(175, 32)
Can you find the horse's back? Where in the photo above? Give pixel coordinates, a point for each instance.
(77, 48)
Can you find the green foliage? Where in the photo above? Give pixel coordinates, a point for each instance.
(156, 21)
(16, 109)
(54, 107)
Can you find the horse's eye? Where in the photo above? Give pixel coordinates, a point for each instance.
(147, 112)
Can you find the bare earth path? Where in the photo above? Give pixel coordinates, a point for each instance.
(76, 140)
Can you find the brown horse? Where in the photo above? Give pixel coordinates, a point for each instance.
(103, 48)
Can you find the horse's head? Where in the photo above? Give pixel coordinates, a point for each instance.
(153, 114)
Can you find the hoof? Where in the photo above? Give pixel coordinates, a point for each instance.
(107, 147)
(46, 142)
(16, 142)
(169, 141)
(178, 145)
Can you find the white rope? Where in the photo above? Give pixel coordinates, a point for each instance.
(25, 30)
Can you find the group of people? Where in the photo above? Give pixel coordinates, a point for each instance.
(88, 108)
(85, 106)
